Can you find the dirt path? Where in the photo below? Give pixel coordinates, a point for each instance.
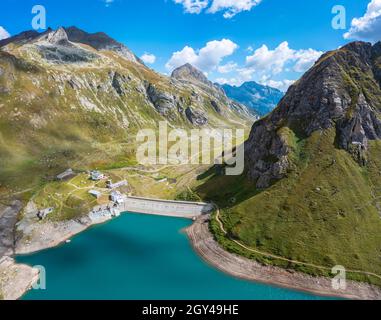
(285, 259)
(205, 244)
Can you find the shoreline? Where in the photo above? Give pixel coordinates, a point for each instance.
(16, 279)
(61, 232)
(203, 242)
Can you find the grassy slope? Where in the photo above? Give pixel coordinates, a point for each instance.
(67, 135)
(324, 212)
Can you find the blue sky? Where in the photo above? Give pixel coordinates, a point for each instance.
(269, 41)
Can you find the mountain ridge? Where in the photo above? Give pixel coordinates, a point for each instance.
(340, 91)
(312, 171)
(97, 40)
(70, 98)
(259, 98)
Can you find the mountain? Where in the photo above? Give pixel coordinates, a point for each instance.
(313, 171)
(341, 93)
(190, 74)
(261, 99)
(100, 41)
(194, 78)
(69, 98)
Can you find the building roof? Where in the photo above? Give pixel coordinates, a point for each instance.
(95, 193)
(63, 175)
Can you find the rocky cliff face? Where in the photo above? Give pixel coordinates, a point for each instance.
(342, 91)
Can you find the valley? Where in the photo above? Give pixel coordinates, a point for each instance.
(310, 195)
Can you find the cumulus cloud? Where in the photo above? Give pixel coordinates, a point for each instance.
(232, 7)
(281, 85)
(305, 59)
(148, 58)
(227, 68)
(265, 61)
(264, 64)
(206, 59)
(108, 2)
(229, 7)
(367, 27)
(193, 6)
(230, 81)
(4, 33)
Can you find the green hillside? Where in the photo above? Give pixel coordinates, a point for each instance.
(311, 193)
(66, 104)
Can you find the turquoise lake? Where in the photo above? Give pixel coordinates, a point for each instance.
(139, 257)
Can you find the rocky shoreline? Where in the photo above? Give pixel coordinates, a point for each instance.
(15, 279)
(37, 236)
(207, 247)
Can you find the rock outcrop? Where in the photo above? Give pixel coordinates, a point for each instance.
(196, 117)
(100, 41)
(58, 37)
(163, 101)
(8, 220)
(118, 82)
(55, 47)
(341, 91)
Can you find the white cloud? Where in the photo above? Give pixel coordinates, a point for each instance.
(148, 58)
(4, 33)
(232, 7)
(281, 85)
(231, 81)
(206, 59)
(367, 27)
(305, 59)
(227, 68)
(264, 64)
(229, 7)
(179, 58)
(193, 6)
(108, 2)
(250, 49)
(265, 61)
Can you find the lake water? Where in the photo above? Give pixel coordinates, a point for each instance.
(139, 257)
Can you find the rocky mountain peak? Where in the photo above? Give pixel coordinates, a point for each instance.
(188, 72)
(58, 37)
(65, 36)
(341, 91)
(100, 41)
(363, 49)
